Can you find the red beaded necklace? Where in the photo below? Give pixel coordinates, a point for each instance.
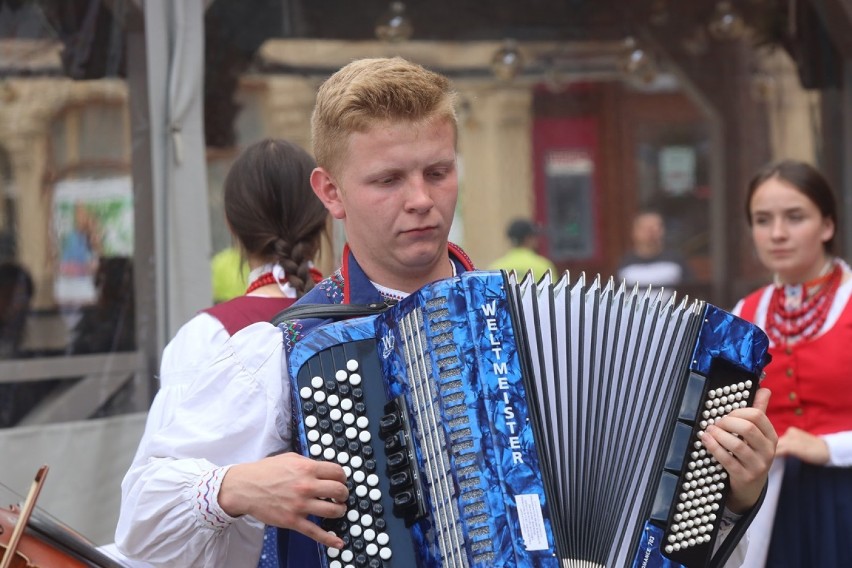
(268, 278)
(261, 281)
(792, 321)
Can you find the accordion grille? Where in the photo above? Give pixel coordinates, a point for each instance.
(432, 401)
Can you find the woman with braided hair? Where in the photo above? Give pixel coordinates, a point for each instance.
(278, 223)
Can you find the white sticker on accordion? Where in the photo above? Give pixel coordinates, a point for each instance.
(532, 522)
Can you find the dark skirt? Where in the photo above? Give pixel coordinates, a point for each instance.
(813, 523)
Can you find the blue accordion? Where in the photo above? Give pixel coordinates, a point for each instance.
(487, 422)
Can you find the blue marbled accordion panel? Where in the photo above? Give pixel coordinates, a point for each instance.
(446, 363)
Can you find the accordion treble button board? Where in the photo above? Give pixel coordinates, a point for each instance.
(693, 486)
(344, 419)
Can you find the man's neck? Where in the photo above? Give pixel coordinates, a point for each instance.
(648, 251)
(408, 283)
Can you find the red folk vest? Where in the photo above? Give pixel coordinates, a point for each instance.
(811, 381)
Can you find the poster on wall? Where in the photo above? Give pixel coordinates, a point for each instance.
(569, 188)
(677, 166)
(92, 218)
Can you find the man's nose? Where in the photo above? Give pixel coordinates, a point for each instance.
(418, 195)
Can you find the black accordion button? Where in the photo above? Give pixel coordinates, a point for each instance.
(400, 480)
(389, 425)
(394, 442)
(397, 461)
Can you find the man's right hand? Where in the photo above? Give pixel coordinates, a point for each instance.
(284, 490)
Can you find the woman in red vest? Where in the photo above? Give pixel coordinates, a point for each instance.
(806, 519)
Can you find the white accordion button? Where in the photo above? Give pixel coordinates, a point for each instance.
(356, 461)
(385, 553)
(346, 404)
(352, 515)
(355, 379)
(364, 436)
(375, 494)
(382, 539)
(335, 413)
(317, 382)
(328, 454)
(362, 422)
(342, 458)
(305, 392)
(355, 530)
(366, 520)
(352, 365)
(369, 535)
(316, 450)
(341, 375)
(358, 476)
(346, 556)
(333, 552)
(333, 400)
(371, 549)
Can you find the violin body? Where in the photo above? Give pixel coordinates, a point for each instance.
(45, 543)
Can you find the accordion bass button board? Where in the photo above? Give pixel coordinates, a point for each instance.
(490, 422)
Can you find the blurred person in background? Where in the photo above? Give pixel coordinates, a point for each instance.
(650, 262)
(109, 324)
(524, 236)
(229, 275)
(16, 294)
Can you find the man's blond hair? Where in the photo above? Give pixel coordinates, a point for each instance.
(371, 91)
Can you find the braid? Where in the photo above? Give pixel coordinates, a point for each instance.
(296, 262)
(283, 253)
(303, 252)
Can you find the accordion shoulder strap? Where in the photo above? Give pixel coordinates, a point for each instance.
(330, 311)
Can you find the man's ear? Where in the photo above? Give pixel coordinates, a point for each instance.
(325, 187)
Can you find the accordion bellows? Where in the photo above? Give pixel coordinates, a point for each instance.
(487, 422)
